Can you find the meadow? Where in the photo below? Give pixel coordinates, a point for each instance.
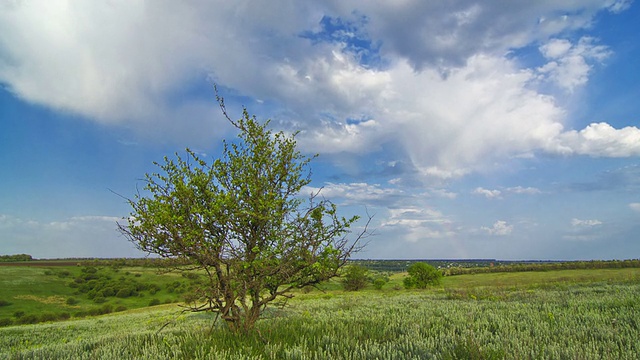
(557, 314)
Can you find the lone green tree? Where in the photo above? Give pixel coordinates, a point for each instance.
(241, 222)
(422, 275)
(355, 277)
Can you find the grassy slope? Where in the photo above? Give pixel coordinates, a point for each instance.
(587, 314)
(37, 290)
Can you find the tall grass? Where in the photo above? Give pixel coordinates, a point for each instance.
(595, 321)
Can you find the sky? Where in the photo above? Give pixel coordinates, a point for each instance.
(467, 129)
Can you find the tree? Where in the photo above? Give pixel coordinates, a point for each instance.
(241, 222)
(422, 275)
(355, 277)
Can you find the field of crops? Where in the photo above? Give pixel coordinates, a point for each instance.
(571, 314)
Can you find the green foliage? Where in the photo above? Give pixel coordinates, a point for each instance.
(241, 222)
(355, 277)
(4, 303)
(379, 281)
(71, 301)
(15, 258)
(422, 275)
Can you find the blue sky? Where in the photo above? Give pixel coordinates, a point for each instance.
(468, 129)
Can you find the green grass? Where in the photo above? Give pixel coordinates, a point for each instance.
(569, 314)
(36, 294)
(593, 321)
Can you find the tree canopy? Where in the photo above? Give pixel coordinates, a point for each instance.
(422, 275)
(241, 222)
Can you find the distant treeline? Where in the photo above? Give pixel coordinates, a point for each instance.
(15, 258)
(569, 265)
(477, 266)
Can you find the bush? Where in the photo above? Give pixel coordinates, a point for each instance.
(126, 292)
(6, 322)
(99, 299)
(72, 301)
(379, 282)
(422, 275)
(154, 302)
(4, 303)
(27, 319)
(48, 317)
(355, 278)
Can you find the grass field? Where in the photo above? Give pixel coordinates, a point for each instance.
(568, 314)
(31, 294)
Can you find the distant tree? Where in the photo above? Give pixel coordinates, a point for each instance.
(240, 221)
(355, 277)
(379, 281)
(422, 275)
(15, 258)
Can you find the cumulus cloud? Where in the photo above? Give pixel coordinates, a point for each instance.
(357, 193)
(445, 92)
(599, 140)
(585, 223)
(499, 228)
(447, 34)
(586, 230)
(569, 64)
(524, 190)
(497, 194)
(489, 194)
(416, 224)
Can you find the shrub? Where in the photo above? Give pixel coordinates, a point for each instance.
(153, 288)
(379, 282)
(72, 301)
(355, 278)
(108, 291)
(27, 319)
(99, 299)
(422, 275)
(18, 314)
(6, 322)
(48, 317)
(120, 308)
(126, 292)
(4, 303)
(154, 302)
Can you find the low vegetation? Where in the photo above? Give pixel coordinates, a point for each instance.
(594, 321)
(554, 314)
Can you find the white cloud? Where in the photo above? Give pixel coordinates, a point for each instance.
(568, 65)
(524, 190)
(489, 194)
(499, 228)
(357, 193)
(446, 96)
(585, 223)
(635, 206)
(415, 224)
(598, 140)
